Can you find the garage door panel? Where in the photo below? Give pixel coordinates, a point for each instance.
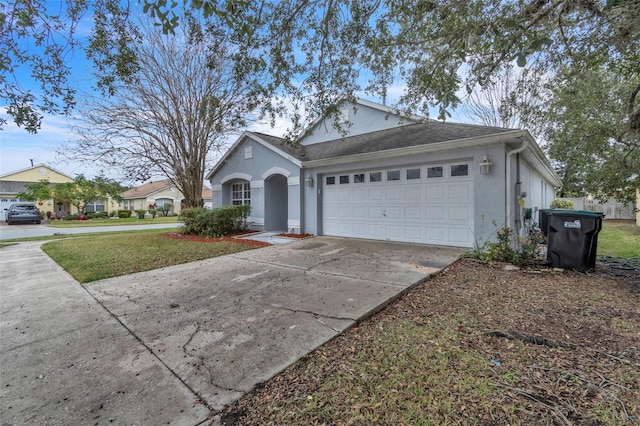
(359, 195)
(413, 194)
(330, 212)
(460, 191)
(394, 213)
(459, 214)
(413, 213)
(436, 213)
(460, 236)
(376, 194)
(413, 233)
(393, 194)
(376, 212)
(435, 193)
(344, 195)
(344, 212)
(359, 211)
(376, 231)
(427, 210)
(330, 197)
(393, 232)
(360, 229)
(435, 235)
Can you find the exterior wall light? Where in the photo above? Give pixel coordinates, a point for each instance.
(485, 166)
(309, 181)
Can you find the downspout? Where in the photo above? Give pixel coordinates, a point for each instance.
(510, 189)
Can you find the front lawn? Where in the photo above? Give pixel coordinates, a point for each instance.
(112, 222)
(619, 239)
(99, 256)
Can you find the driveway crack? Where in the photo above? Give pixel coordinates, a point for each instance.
(317, 316)
(151, 351)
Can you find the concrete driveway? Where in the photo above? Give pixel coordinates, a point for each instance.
(204, 333)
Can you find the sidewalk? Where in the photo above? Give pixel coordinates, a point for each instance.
(65, 361)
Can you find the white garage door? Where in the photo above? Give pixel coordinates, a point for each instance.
(423, 204)
(5, 203)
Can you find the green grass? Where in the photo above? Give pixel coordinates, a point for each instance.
(6, 244)
(111, 222)
(100, 256)
(619, 239)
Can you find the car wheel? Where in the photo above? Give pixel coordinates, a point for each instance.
(38, 222)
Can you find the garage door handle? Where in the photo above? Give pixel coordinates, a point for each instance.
(384, 213)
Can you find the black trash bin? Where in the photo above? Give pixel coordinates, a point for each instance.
(572, 241)
(543, 221)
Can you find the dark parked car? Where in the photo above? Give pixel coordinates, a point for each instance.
(23, 212)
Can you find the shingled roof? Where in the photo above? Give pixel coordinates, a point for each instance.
(146, 189)
(398, 137)
(149, 188)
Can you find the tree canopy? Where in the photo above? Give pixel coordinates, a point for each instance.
(438, 51)
(172, 114)
(78, 193)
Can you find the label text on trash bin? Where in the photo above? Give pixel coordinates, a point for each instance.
(575, 224)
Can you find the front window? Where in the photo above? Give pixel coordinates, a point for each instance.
(95, 206)
(241, 194)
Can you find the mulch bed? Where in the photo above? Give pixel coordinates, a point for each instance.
(297, 236)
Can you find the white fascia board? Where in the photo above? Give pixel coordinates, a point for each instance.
(392, 111)
(414, 150)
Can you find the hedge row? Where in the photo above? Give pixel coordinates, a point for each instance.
(215, 223)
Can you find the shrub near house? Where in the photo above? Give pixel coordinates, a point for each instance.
(563, 204)
(217, 222)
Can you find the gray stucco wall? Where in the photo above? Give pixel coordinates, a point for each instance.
(263, 162)
(364, 120)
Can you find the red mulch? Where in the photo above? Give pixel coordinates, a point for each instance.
(228, 238)
(299, 236)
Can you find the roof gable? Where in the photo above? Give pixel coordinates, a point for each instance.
(147, 189)
(278, 145)
(355, 118)
(37, 173)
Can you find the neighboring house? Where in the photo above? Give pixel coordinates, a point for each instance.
(14, 183)
(159, 193)
(390, 178)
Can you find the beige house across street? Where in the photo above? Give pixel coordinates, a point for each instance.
(11, 184)
(156, 194)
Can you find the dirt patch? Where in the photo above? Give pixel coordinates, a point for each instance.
(229, 238)
(475, 344)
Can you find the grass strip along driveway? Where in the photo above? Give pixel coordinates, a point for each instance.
(100, 256)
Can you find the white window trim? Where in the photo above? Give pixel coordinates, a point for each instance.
(235, 176)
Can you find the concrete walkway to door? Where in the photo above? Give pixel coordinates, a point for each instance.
(211, 329)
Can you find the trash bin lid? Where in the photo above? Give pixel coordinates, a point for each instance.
(566, 212)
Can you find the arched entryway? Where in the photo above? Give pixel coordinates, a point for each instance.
(276, 203)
